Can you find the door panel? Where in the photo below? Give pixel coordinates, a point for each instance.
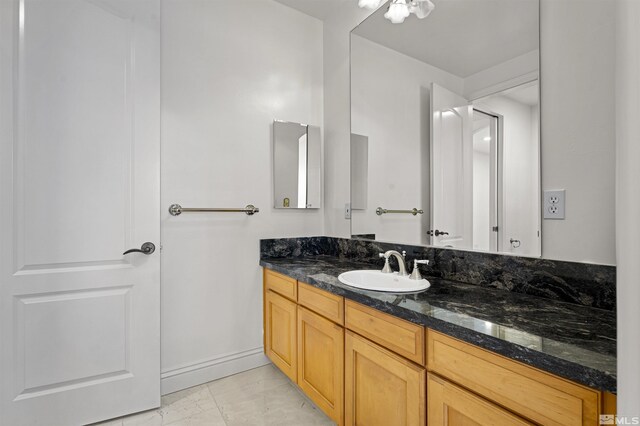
(53, 340)
(321, 362)
(452, 169)
(380, 387)
(79, 164)
(280, 333)
(80, 107)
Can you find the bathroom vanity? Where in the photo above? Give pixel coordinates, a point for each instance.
(454, 354)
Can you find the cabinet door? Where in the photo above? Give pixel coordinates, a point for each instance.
(381, 388)
(280, 332)
(321, 362)
(449, 405)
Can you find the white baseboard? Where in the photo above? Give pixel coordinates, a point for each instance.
(212, 369)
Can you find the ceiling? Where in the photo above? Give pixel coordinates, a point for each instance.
(462, 37)
(320, 9)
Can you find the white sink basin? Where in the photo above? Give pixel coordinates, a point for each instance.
(376, 280)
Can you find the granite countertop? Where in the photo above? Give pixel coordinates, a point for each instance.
(572, 341)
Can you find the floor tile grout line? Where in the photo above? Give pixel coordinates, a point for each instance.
(215, 401)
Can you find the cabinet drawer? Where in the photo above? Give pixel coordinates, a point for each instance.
(534, 394)
(326, 304)
(402, 337)
(281, 284)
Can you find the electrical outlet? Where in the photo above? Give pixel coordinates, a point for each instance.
(554, 204)
(347, 211)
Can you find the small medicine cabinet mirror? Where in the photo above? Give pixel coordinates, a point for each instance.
(296, 166)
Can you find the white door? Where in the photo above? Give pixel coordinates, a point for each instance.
(79, 182)
(451, 170)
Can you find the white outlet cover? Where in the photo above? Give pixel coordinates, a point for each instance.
(554, 204)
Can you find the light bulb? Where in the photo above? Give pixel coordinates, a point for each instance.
(398, 11)
(421, 8)
(370, 4)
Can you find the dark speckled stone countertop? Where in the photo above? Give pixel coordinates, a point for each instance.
(572, 341)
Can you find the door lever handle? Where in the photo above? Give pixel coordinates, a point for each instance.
(146, 248)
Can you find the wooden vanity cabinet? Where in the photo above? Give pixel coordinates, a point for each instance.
(304, 337)
(362, 366)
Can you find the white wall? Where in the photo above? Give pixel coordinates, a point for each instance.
(390, 105)
(228, 69)
(578, 127)
(628, 204)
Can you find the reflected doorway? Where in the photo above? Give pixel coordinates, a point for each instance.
(485, 181)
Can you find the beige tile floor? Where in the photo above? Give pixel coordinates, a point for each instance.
(263, 396)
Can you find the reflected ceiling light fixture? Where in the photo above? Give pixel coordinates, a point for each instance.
(399, 10)
(370, 4)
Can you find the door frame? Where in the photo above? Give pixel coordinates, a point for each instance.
(499, 187)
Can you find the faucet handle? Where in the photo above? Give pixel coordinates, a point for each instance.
(387, 268)
(415, 275)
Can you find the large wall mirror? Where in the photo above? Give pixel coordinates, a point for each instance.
(445, 116)
(462, 121)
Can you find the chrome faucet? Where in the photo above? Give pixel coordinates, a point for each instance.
(401, 265)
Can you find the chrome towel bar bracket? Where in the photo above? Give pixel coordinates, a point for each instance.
(380, 211)
(177, 209)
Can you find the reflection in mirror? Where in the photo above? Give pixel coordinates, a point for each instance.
(513, 143)
(485, 181)
(359, 170)
(450, 108)
(296, 166)
(360, 176)
(495, 206)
